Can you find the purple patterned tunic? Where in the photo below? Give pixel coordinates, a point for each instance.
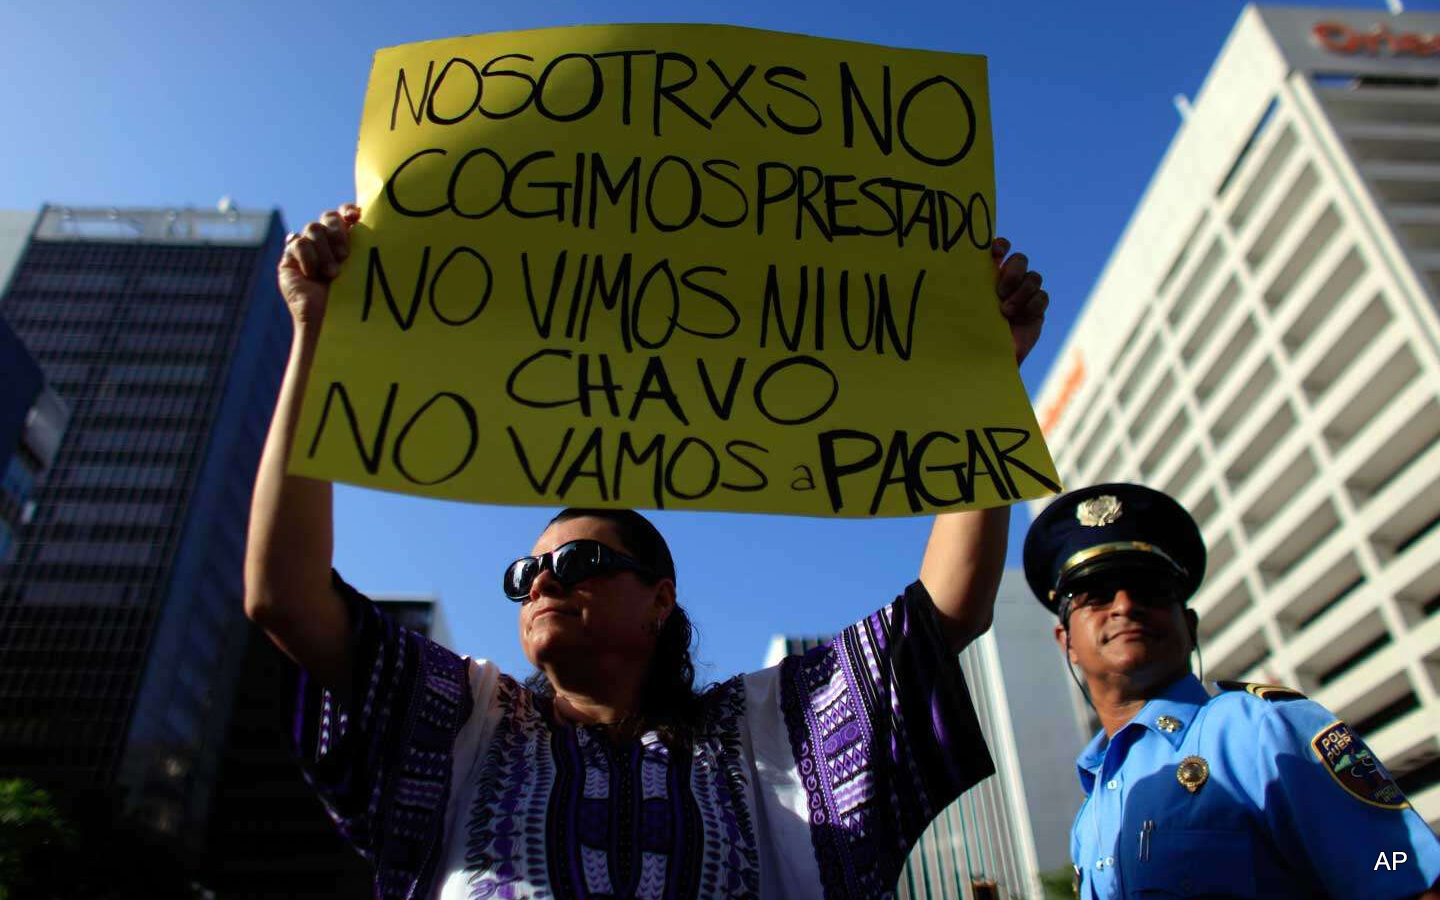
(809, 779)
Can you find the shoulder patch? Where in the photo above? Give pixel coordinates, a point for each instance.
(1355, 768)
(1263, 691)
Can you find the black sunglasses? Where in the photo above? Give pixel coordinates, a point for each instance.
(1151, 591)
(571, 563)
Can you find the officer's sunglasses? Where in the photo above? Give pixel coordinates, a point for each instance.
(571, 563)
(1149, 591)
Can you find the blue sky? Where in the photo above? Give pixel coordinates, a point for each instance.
(175, 104)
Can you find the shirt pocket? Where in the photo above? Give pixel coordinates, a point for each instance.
(1190, 863)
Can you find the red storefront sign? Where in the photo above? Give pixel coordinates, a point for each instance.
(1338, 37)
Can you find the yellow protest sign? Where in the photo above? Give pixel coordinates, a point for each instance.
(674, 266)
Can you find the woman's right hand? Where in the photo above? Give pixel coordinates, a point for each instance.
(312, 259)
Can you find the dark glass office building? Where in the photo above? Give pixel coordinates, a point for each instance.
(121, 622)
(269, 835)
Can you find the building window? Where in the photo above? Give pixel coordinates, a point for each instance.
(188, 282)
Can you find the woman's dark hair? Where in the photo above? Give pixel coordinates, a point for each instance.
(669, 703)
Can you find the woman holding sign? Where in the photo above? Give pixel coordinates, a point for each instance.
(610, 776)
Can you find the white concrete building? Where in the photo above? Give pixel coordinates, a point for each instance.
(15, 228)
(1264, 345)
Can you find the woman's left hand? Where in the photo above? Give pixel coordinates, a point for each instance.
(1022, 301)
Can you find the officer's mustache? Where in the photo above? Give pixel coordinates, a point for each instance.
(1130, 626)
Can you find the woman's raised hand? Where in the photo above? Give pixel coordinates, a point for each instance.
(1022, 301)
(312, 259)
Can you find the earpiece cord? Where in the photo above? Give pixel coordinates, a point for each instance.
(1070, 667)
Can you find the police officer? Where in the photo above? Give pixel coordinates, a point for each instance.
(1253, 792)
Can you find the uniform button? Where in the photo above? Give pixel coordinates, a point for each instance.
(1112, 784)
(1109, 861)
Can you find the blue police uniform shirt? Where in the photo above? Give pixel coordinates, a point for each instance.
(1271, 820)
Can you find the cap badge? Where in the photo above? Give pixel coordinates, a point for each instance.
(1168, 724)
(1098, 511)
(1193, 772)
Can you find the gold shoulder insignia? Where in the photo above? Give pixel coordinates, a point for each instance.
(1270, 692)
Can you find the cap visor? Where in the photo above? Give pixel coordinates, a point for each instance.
(1116, 562)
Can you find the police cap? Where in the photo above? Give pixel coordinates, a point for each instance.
(1107, 528)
